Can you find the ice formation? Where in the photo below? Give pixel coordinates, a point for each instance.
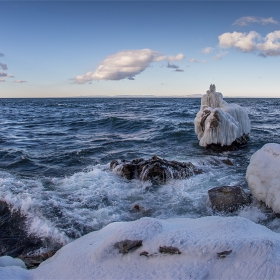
(218, 122)
(210, 248)
(263, 175)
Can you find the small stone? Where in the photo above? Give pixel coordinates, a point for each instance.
(223, 254)
(144, 253)
(227, 161)
(169, 250)
(127, 245)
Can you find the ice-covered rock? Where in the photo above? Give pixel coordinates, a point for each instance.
(263, 175)
(220, 123)
(182, 248)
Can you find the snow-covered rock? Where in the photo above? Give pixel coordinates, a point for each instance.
(210, 248)
(218, 122)
(263, 175)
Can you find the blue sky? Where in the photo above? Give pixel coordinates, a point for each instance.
(176, 48)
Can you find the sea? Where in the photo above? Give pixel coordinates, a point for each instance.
(55, 156)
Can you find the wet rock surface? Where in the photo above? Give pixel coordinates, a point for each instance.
(155, 169)
(127, 245)
(237, 144)
(228, 198)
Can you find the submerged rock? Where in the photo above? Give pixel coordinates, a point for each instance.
(154, 169)
(219, 125)
(228, 198)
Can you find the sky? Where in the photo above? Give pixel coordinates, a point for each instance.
(118, 48)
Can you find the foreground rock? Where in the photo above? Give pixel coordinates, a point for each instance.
(211, 248)
(228, 199)
(219, 124)
(155, 169)
(263, 175)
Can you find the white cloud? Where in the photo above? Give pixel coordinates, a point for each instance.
(250, 19)
(178, 57)
(124, 64)
(2, 80)
(19, 81)
(271, 46)
(192, 60)
(219, 56)
(242, 41)
(267, 46)
(207, 50)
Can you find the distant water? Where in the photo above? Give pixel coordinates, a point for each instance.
(55, 156)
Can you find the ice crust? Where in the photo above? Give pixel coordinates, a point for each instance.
(255, 252)
(218, 122)
(263, 175)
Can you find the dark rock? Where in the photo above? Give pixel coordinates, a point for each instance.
(223, 254)
(144, 253)
(127, 245)
(227, 198)
(155, 169)
(34, 261)
(169, 250)
(227, 161)
(234, 145)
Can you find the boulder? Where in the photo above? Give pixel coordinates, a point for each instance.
(155, 169)
(228, 198)
(219, 124)
(263, 175)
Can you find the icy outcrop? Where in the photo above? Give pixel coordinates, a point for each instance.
(263, 175)
(220, 123)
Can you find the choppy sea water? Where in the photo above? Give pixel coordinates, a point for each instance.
(55, 156)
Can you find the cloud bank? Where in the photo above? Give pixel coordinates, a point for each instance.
(252, 42)
(244, 21)
(124, 65)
